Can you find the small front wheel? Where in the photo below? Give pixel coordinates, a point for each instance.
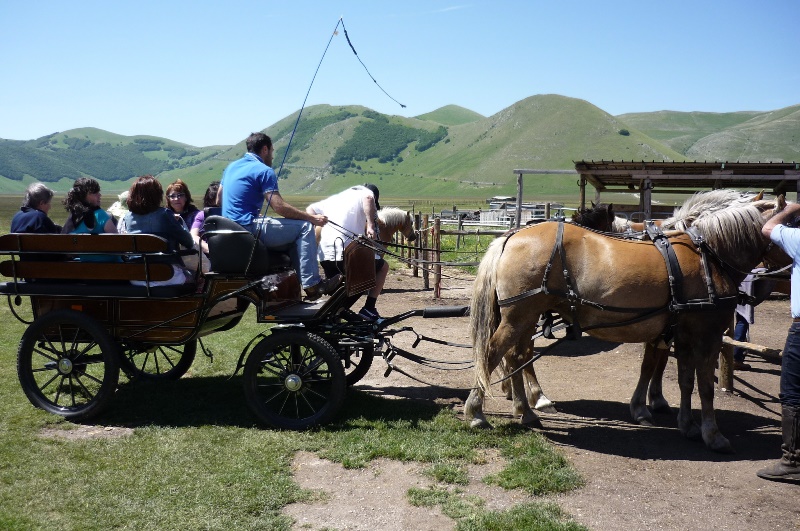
(294, 380)
(68, 364)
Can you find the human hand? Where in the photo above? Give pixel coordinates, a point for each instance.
(318, 220)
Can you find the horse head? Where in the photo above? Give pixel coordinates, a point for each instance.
(392, 220)
(599, 217)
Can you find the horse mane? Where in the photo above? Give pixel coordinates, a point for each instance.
(735, 227)
(702, 204)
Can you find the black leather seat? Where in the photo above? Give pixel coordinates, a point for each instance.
(230, 247)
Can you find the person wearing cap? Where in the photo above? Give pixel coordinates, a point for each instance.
(350, 213)
(780, 229)
(248, 182)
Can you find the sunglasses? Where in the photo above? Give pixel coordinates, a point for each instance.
(176, 196)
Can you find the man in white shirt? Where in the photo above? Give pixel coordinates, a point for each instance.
(350, 212)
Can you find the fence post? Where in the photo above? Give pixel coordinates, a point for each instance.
(426, 282)
(417, 243)
(437, 269)
(547, 211)
(460, 228)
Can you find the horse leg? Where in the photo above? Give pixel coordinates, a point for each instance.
(708, 422)
(517, 359)
(686, 371)
(536, 396)
(655, 394)
(639, 412)
(503, 338)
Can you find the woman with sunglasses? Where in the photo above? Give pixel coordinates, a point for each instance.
(179, 200)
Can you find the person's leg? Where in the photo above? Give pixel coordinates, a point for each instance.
(788, 467)
(382, 270)
(279, 232)
(740, 334)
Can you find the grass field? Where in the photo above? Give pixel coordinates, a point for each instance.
(189, 455)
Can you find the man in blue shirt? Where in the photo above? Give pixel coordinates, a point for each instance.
(245, 184)
(788, 467)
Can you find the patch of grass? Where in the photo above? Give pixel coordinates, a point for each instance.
(454, 503)
(451, 473)
(529, 516)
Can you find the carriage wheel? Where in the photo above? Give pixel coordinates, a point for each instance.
(68, 364)
(158, 362)
(357, 362)
(294, 380)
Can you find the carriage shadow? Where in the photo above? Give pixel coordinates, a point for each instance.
(605, 427)
(220, 401)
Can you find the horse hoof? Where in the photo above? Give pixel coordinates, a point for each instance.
(660, 406)
(547, 409)
(480, 423)
(721, 445)
(534, 424)
(693, 433)
(645, 421)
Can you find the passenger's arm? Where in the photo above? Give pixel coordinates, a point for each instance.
(219, 196)
(288, 211)
(109, 227)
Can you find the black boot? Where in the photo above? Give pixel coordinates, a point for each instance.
(788, 467)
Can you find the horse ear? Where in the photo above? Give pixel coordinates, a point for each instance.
(781, 203)
(593, 205)
(759, 196)
(610, 208)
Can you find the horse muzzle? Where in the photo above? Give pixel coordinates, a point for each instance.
(412, 237)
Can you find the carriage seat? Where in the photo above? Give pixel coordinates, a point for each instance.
(230, 247)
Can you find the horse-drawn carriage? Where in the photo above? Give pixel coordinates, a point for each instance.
(90, 321)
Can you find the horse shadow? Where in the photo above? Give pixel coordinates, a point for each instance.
(584, 346)
(605, 427)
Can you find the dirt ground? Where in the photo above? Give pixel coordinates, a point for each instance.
(636, 477)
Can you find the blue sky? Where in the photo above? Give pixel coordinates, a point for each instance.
(206, 73)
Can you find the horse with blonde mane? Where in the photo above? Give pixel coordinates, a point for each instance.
(513, 288)
(392, 220)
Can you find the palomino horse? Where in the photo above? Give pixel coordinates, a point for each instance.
(514, 287)
(601, 217)
(392, 220)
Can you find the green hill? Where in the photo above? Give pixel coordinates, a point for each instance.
(451, 115)
(449, 152)
(772, 136)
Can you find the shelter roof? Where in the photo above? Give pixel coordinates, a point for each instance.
(672, 177)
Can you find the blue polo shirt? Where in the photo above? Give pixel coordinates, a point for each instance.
(244, 183)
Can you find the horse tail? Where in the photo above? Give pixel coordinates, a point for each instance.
(485, 310)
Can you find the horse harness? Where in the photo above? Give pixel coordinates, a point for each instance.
(676, 305)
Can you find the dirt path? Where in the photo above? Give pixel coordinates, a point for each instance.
(636, 477)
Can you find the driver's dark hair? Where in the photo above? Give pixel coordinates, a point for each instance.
(256, 141)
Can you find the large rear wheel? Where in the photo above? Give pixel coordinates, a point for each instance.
(294, 380)
(68, 364)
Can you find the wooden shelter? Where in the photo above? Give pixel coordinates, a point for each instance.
(647, 178)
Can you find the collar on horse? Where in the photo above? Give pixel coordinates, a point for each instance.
(677, 303)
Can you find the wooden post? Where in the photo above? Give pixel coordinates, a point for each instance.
(547, 211)
(437, 269)
(458, 236)
(426, 283)
(725, 381)
(518, 217)
(417, 243)
(647, 195)
(583, 192)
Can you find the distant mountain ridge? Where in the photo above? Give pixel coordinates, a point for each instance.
(451, 151)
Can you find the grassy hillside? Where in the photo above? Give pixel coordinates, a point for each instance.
(450, 152)
(451, 115)
(772, 136)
